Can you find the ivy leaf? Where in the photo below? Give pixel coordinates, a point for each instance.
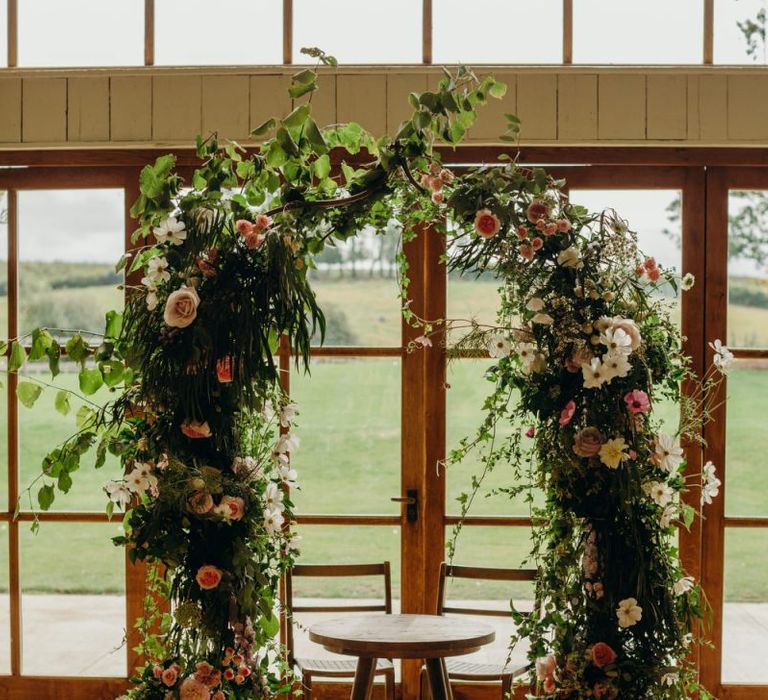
(90, 380)
(84, 416)
(18, 357)
(46, 496)
(264, 128)
(297, 117)
(77, 349)
(61, 403)
(41, 341)
(65, 482)
(112, 372)
(322, 167)
(315, 137)
(54, 354)
(270, 625)
(114, 324)
(28, 393)
(497, 89)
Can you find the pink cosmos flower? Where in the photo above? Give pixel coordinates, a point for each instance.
(637, 401)
(536, 210)
(563, 225)
(196, 429)
(537, 243)
(566, 415)
(208, 577)
(527, 251)
(487, 224)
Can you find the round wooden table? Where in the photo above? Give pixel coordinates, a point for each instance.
(428, 637)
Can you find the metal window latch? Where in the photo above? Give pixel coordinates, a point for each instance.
(411, 500)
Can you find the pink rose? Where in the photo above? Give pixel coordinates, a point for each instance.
(437, 198)
(526, 251)
(550, 229)
(169, 676)
(244, 227)
(530, 432)
(233, 507)
(563, 225)
(487, 224)
(545, 666)
(587, 442)
(522, 233)
(181, 307)
(208, 577)
(435, 183)
(637, 402)
(566, 415)
(218, 695)
(262, 222)
(196, 429)
(254, 240)
(157, 671)
(578, 358)
(650, 264)
(229, 674)
(200, 502)
(205, 267)
(537, 243)
(630, 328)
(541, 225)
(224, 370)
(602, 655)
(192, 689)
(654, 274)
(537, 210)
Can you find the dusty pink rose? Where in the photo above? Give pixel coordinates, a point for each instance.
(637, 401)
(254, 240)
(530, 432)
(169, 676)
(602, 655)
(196, 429)
(541, 225)
(630, 328)
(244, 671)
(435, 183)
(157, 671)
(233, 507)
(262, 222)
(587, 442)
(566, 415)
(181, 307)
(437, 198)
(563, 225)
(537, 243)
(526, 251)
(229, 674)
(205, 267)
(522, 233)
(654, 274)
(424, 181)
(208, 577)
(537, 210)
(487, 224)
(244, 227)
(224, 370)
(550, 229)
(577, 359)
(207, 674)
(446, 175)
(545, 666)
(192, 689)
(200, 502)
(650, 264)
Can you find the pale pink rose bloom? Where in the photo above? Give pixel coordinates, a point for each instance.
(244, 227)
(550, 229)
(169, 676)
(234, 505)
(254, 240)
(630, 328)
(587, 442)
(527, 251)
(200, 502)
(563, 225)
(437, 198)
(541, 225)
(196, 429)
(537, 210)
(208, 577)
(654, 274)
(181, 307)
(192, 689)
(545, 666)
(262, 222)
(577, 359)
(522, 233)
(566, 415)
(537, 243)
(487, 224)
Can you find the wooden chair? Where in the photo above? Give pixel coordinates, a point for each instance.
(340, 667)
(459, 669)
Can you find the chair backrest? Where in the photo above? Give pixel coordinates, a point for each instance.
(482, 574)
(336, 571)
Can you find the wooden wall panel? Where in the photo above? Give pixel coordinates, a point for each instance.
(398, 89)
(667, 107)
(226, 104)
(621, 107)
(576, 107)
(130, 116)
(537, 106)
(44, 110)
(88, 109)
(713, 107)
(176, 107)
(747, 107)
(268, 98)
(362, 98)
(10, 110)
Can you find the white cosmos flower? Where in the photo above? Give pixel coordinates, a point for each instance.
(667, 453)
(273, 520)
(288, 476)
(170, 231)
(287, 414)
(146, 471)
(616, 364)
(670, 511)
(723, 357)
(273, 497)
(710, 484)
(683, 585)
(595, 375)
(660, 492)
(157, 270)
(499, 346)
(288, 442)
(119, 493)
(617, 341)
(535, 304)
(151, 297)
(543, 319)
(629, 612)
(136, 481)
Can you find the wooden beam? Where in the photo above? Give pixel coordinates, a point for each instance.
(567, 32)
(287, 32)
(13, 33)
(149, 32)
(426, 32)
(709, 32)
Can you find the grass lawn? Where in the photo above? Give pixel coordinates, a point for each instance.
(349, 461)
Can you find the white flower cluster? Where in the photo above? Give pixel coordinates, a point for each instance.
(286, 444)
(723, 357)
(139, 480)
(621, 338)
(171, 231)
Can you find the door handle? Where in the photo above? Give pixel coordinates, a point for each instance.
(411, 500)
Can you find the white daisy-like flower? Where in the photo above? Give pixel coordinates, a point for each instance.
(667, 453)
(288, 442)
(287, 414)
(499, 346)
(119, 493)
(669, 679)
(683, 585)
(687, 282)
(710, 484)
(157, 270)
(146, 472)
(170, 231)
(151, 298)
(670, 511)
(723, 357)
(595, 375)
(273, 497)
(273, 520)
(136, 481)
(616, 364)
(288, 476)
(629, 612)
(661, 493)
(543, 319)
(617, 341)
(535, 304)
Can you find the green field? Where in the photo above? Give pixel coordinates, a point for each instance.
(349, 461)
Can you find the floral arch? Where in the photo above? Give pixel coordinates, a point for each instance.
(204, 432)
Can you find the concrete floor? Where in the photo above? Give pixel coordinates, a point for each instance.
(81, 635)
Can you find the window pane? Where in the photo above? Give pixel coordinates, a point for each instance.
(5, 603)
(739, 44)
(747, 271)
(3, 264)
(627, 31)
(4, 471)
(359, 31)
(3, 32)
(349, 426)
(95, 33)
(72, 600)
(745, 615)
(69, 241)
(187, 34)
(472, 298)
(357, 289)
(498, 31)
(746, 440)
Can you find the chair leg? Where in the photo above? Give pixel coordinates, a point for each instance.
(389, 684)
(306, 685)
(424, 693)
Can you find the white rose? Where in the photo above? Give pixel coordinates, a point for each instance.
(181, 307)
(569, 257)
